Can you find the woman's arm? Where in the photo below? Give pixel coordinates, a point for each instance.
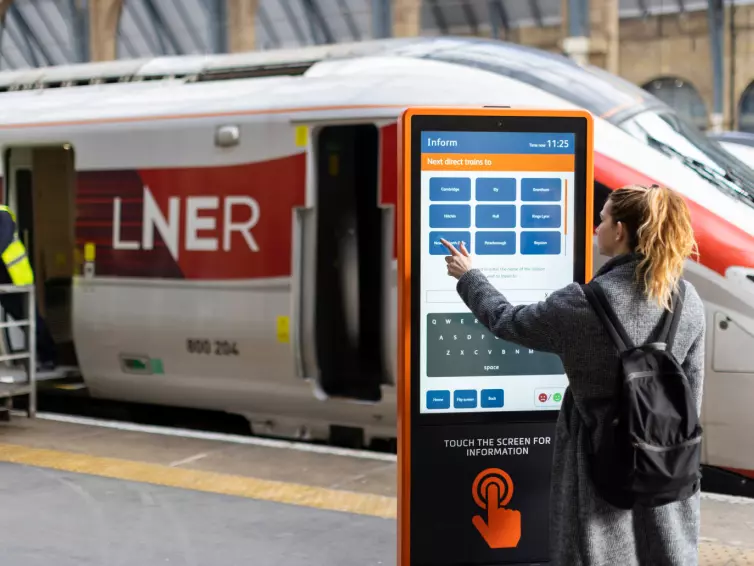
(539, 326)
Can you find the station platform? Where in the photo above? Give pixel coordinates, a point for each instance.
(78, 491)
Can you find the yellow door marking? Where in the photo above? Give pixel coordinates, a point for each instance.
(210, 482)
(302, 135)
(89, 251)
(284, 329)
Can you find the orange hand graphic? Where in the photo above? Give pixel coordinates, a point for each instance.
(503, 526)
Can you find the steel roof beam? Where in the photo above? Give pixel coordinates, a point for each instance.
(59, 41)
(438, 15)
(155, 43)
(470, 14)
(196, 39)
(317, 21)
(217, 17)
(293, 21)
(350, 22)
(536, 12)
(27, 36)
(30, 35)
(162, 28)
(268, 26)
(498, 14)
(78, 28)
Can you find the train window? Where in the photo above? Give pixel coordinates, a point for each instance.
(552, 73)
(680, 140)
(643, 115)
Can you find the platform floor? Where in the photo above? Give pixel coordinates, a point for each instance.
(78, 494)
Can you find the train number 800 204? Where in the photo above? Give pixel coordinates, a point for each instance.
(209, 347)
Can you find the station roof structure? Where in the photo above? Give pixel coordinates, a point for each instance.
(42, 33)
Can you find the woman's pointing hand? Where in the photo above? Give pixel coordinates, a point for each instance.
(459, 262)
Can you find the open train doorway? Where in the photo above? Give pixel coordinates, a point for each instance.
(350, 274)
(40, 190)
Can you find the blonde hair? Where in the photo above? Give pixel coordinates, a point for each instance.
(659, 230)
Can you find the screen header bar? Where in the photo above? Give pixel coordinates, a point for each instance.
(498, 142)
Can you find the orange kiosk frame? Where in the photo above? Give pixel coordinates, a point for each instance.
(436, 466)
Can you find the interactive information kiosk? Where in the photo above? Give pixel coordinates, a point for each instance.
(477, 413)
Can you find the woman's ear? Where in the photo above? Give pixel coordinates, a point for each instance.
(620, 231)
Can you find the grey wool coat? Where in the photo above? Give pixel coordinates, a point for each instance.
(584, 529)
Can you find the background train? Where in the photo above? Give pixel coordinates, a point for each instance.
(740, 144)
(212, 232)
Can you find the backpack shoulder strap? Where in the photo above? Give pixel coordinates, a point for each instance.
(671, 322)
(601, 305)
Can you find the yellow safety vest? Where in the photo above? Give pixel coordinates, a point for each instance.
(15, 258)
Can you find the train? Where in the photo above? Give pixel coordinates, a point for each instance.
(219, 232)
(740, 144)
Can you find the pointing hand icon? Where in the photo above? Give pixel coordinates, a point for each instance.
(503, 526)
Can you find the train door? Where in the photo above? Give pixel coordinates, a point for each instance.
(346, 268)
(40, 190)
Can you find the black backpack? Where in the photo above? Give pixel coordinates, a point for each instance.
(650, 450)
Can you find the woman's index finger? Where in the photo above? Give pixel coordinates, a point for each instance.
(451, 247)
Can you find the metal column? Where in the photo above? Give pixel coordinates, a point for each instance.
(715, 18)
(576, 45)
(382, 21)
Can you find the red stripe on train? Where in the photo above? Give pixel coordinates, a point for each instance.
(740, 471)
(721, 244)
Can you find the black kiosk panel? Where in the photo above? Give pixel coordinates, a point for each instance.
(477, 413)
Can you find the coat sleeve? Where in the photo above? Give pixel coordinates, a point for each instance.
(541, 326)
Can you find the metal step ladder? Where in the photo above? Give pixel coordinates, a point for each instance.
(18, 380)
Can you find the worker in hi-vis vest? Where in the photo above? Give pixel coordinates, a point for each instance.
(16, 270)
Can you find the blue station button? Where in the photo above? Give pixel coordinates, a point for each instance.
(496, 216)
(540, 243)
(540, 189)
(495, 189)
(540, 216)
(464, 399)
(455, 238)
(495, 243)
(450, 188)
(449, 216)
(492, 398)
(438, 399)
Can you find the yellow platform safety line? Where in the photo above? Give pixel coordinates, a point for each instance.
(198, 480)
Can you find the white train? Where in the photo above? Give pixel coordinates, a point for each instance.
(740, 144)
(210, 230)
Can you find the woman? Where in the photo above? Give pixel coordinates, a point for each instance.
(647, 234)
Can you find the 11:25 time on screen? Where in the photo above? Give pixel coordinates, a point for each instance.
(558, 143)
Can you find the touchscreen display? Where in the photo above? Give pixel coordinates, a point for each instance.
(509, 196)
